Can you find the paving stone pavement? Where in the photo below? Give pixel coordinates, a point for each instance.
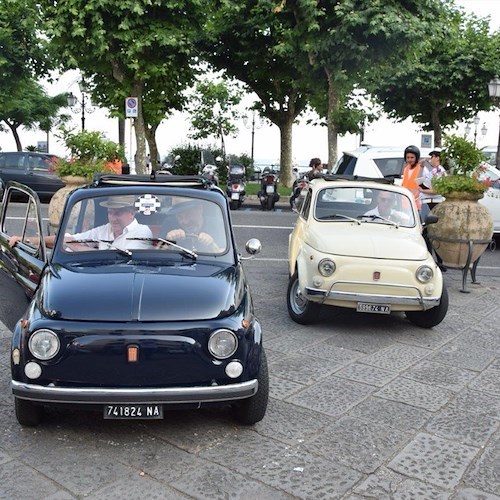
(361, 407)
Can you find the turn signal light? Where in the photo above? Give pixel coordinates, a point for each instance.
(132, 354)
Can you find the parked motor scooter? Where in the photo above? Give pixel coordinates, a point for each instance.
(299, 190)
(268, 194)
(209, 172)
(235, 189)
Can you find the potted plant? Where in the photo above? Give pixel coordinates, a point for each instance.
(90, 153)
(465, 227)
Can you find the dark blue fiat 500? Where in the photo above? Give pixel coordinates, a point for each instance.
(138, 304)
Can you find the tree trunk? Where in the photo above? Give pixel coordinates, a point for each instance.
(436, 127)
(153, 148)
(286, 151)
(13, 128)
(333, 105)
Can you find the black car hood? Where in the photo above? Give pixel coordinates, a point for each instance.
(131, 293)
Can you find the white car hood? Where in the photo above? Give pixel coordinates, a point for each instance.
(368, 239)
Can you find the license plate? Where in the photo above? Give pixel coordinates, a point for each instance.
(133, 411)
(235, 196)
(373, 308)
(269, 189)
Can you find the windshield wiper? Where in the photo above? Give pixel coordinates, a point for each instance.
(121, 251)
(375, 216)
(183, 251)
(334, 216)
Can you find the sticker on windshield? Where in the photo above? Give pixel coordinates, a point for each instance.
(147, 204)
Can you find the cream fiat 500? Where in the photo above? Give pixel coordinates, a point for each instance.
(358, 243)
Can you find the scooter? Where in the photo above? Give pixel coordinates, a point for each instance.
(299, 190)
(268, 194)
(235, 189)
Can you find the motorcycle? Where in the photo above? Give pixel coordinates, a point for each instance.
(299, 191)
(235, 189)
(209, 172)
(268, 194)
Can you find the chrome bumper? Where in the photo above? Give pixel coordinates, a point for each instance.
(173, 395)
(424, 303)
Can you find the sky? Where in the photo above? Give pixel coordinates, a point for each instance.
(308, 141)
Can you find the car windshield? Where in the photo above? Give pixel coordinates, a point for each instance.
(165, 223)
(364, 205)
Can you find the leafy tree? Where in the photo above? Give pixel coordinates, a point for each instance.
(346, 39)
(213, 111)
(140, 48)
(245, 39)
(447, 82)
(28, 105)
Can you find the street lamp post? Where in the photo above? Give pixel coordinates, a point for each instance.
(484, 130)
(253, 125)
(84, 106)
(494, 91)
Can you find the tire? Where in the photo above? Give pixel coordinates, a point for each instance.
(270, 203)
(252, 410)
(28, 414)
(234, 204)
(300, 309)
(431, 317)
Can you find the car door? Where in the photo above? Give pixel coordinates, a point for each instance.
(21, 264)
(39, 176)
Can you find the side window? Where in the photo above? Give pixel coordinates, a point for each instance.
(306, 205)
(38, 163)
(346, 165)
(21, 218)
(390, 166)
(12, 160)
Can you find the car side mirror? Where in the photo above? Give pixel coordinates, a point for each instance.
(253, 247)
(430, 219)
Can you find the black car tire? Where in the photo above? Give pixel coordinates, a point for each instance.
(431, 317)
(28, 414)
(300, 309)
(251, 410)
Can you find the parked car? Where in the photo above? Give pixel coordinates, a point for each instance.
(377, 162)
(491, 199)
(347, 251)
(32, 169)
(137, 324)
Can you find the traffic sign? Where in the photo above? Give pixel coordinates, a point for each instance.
(131, 105)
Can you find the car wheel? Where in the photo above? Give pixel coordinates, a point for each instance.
(431, 317)
(300, 309)
(251, 410)
(27, 413)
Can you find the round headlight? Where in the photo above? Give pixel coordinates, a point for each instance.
(326, 267)
(44, 344)
(424, 274)
(222, 344)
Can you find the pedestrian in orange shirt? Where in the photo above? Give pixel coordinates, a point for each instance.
(411, 173)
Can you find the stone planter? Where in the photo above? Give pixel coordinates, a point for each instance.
(464, 229)
(57, 201)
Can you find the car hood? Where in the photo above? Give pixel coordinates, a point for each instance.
(370, 240)
(197, 292)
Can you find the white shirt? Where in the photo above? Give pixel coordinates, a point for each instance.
(394, 216)
(105, 233)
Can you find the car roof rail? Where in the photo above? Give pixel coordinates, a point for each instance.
(340, 177)
(191, 181)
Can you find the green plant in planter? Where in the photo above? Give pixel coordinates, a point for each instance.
(467, 170)
(90, 152)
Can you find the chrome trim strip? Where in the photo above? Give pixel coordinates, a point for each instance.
(425, 303)
(95, 395)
